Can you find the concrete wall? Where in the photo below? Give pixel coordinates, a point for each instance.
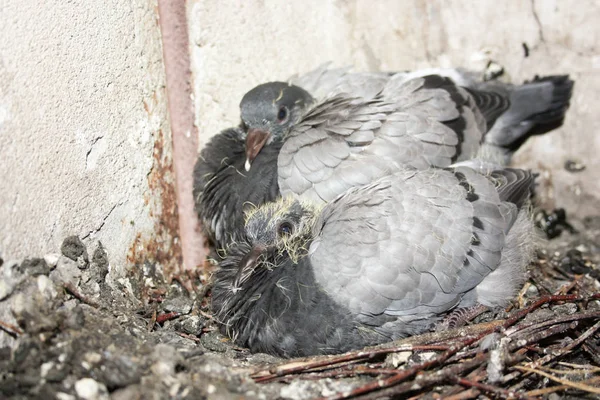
(84, 137)
(238, 44)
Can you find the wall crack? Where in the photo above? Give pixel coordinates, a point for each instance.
(104, 219)
(538, 22)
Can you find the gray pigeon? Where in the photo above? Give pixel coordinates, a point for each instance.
(378, 263)
(359, 127)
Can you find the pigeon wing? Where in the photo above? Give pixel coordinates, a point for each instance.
(345, 141)
(323, 82)
(412, 243)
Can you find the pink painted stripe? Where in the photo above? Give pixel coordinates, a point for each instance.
(173, 24)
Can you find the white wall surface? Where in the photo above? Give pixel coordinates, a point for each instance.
(81, 105)
(237, 44)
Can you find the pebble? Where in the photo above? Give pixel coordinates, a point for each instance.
(51, 259)
(73, 248)
(89, 389)
(35, 266)
(181, 305)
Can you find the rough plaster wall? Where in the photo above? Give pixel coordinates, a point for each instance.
(237, 44)
(81, 105)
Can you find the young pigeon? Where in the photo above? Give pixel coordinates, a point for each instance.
(363, 126)
(378, 263)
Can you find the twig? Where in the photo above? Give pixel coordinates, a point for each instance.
(152, 320)
(167, 317)
(563, 350)
(464, 395)
(579, 371)
(566, 382)
(190, 337)
(490, 389)
(540, 302)
(533, 326)
(548, 390)
(331, 361)
(75, 292)
(10, 329)
(402, 374)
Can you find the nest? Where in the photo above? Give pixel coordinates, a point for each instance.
(71, 330)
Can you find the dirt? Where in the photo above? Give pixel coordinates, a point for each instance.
(70, 330)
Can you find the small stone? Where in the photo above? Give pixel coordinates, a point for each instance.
(92, 358)
(6, 289)
(74, 249)
(74, 318)
(51, 259)
(66, 271)
(191, 325)
(100, 258)
(533, 291)
(89, 389)
(214, 341)
(64, 396)
(34, 266)
(45, 368)
(396, 359)
(181, 305)
(46, 287)
(30, 315)
(118, 370)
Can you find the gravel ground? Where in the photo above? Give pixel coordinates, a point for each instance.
(70, 330)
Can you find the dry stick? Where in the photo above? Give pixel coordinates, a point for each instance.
(540, 302)
(532, 326)
(402, 374)
(73, 290)
(490, 388)
(190, 337)
(580, 366)
(167, 317)
(449, 373)
(464, 395)
(301, 366)
(152, 320)
(530, 330)
(435, 377)
(330, 361)
(10, 329)
(423, 380)
(566, 382)
(563, 350)
(476, 375)
(348, 372)
(548, 390)
(581, 371)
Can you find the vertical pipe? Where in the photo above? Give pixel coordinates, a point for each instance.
(176, 55)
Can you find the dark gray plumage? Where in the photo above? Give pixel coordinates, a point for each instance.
(380, 262)
(351, 129)
(223, 189)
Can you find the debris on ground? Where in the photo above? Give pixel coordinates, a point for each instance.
(70, 330)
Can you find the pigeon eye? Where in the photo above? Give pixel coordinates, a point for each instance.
(282, 114)
(285, 229)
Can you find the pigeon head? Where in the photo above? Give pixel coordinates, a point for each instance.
(269, 111)
(278, 229)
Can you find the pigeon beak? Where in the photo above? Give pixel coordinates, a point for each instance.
(255, 141)
(247, 265)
